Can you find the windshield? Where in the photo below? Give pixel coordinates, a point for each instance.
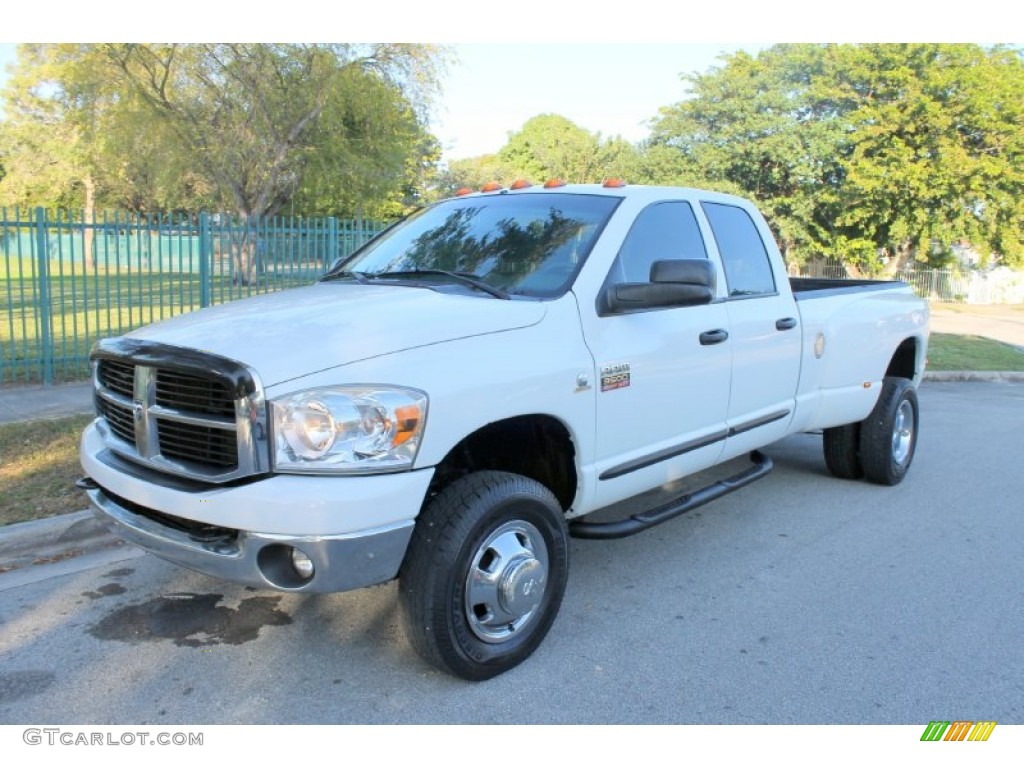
(525, 244)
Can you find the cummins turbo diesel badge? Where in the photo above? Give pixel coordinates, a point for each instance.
(614, 376)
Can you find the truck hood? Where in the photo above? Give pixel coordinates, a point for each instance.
(297, 332)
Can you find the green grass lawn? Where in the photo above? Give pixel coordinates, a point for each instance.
(949, 352)
(38, 469)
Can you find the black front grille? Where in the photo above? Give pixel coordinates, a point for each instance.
(178, 411)
(187, 392)
(205, 445)
(117, 377)
(119, 419)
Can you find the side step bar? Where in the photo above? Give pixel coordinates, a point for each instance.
(619, 529)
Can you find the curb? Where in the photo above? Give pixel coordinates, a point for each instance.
(38, 542)
(1001, 376)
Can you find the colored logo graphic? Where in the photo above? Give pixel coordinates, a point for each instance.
(958, 730)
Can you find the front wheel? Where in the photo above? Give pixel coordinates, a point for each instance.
(485, 573)
(888, 437)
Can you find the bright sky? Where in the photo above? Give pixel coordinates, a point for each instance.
(612, 89)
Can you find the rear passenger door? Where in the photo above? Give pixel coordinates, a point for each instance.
(763, 327)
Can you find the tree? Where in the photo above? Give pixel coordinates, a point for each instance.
(473, 173)
(58, 114)
(244, 128)
(936, 145)
(552, 146)
(751, 129)
(257, 117)
(871, 154)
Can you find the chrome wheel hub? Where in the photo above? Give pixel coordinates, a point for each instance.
(903, 432)
(506, 581)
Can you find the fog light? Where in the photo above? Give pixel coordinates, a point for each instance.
(302, 564)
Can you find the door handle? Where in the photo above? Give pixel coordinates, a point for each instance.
(785, 324)
(716, 336)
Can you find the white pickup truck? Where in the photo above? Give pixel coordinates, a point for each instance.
(453, 401)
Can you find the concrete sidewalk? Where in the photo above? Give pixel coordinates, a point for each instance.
(999, 322)
(38, 402)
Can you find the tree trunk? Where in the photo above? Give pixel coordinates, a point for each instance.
(88, 218)
(903, 256)
(243, 255)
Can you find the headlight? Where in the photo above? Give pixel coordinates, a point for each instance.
(357, 429)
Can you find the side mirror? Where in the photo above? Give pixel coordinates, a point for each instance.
(695, 272)
(674, 283)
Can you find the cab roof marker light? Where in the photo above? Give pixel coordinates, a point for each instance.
(520, 184)
(613, 183)
(463, 192)
(491, 186)
(553, 183)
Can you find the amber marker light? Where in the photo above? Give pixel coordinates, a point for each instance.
(520, 184)
(491, 186)
(613, 183)
(463, 192)
(552, 183)
(407, 418)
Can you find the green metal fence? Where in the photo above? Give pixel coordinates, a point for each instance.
(66, 281)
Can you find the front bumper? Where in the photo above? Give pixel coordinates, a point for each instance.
(354, 530)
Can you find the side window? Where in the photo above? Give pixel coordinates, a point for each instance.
(661, 231)
(748, 271)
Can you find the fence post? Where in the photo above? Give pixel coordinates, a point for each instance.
(45, 311)
(332, 243)
(204, 260)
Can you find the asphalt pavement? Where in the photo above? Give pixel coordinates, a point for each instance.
(799, 599)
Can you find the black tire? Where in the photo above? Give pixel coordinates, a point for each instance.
(841, 446)
(485, 573)
(888, 437)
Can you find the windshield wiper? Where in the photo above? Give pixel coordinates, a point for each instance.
(358, 276)
(459, 277)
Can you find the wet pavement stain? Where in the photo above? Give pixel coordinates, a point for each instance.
(191, 620)
(105, 591)
(118, 573)
(19, 685)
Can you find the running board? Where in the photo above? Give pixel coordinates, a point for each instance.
(619, 529)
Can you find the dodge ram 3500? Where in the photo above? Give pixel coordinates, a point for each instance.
(454, 400)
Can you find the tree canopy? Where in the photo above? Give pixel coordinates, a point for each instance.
(546, 147)
(875, 155)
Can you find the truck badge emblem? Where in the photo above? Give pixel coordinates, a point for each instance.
(614, 376)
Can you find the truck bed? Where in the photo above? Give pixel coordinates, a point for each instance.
(816, 287)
